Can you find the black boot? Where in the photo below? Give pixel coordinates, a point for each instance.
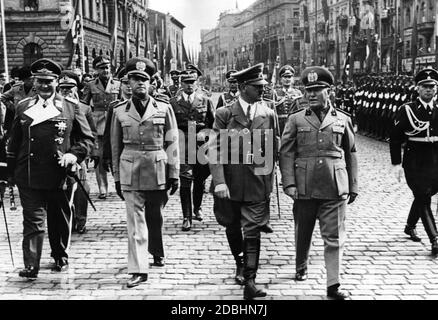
(186, 205)
(239, 278)
(198, 193)
(251, 254)
(235, 241)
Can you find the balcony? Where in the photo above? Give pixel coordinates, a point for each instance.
(426, 27)
(321, 27)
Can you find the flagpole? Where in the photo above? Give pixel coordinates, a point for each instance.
(81, 12)
(5, 52)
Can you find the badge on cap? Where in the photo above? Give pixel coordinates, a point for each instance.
(312, 76)
(141, 66)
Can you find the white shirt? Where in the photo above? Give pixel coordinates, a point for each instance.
(187, 97)
(426, 105)
(245, 105)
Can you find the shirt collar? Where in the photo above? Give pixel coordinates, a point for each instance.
(186, 96)
(426, 105)
(47, 101)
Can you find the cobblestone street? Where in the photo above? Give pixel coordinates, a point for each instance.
(380, 262)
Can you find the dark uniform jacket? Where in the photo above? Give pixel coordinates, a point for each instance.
(144, 156)
(10, 99)
(284, 99)
(246, 181)
(33, 149)
(319, 158)
(418, 127)
(199, 114)
(227, 99)
(99, 98)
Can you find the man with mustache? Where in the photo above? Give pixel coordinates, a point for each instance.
(49, 136)
(319, 170)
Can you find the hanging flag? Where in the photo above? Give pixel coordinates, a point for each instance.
(113, 26)
(169, 57)
(73, 32)
(306, 25)
(137, 38)
(325, 10)
(347, 62)
(414, 38)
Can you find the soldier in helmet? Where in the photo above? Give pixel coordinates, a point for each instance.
(228, 98)
(49, 136)
(319, 170)
(99, 93)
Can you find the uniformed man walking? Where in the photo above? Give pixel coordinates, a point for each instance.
(319, 170)
(173, 89)
(245, 183)
(100, 92)
(285, 95)
(194, 112)
(416, 124)
(142, 130)
(68, 87)
(48, 136)
(229, 97)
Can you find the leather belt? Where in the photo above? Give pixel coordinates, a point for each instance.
(281, 116)
(142, 147)
(424, 139)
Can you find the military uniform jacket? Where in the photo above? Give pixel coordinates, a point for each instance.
(417, 126)
(319, 159)
(172, 90)
(10, 99)
(284, 100)
(38, 134)
(144, 154)
(227, 99)
(246, 181)
(99, 98)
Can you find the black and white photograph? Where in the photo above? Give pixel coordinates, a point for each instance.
(218, 157)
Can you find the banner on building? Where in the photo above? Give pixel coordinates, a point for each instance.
(346, 72)
(306, 24)
(73, 32)
(414, 38)
(113, 26)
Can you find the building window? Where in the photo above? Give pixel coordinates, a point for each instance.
(90, 10)
(122, 58)
(423, 12)
(30, 5)
(98, 15)
(104, 9)
(31, 53)
(93, 54)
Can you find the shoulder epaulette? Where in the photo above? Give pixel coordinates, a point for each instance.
(120, 103)
(296, 111)
(343, 111)
(72, 100)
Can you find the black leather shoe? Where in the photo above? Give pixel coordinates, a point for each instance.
(158, 262)
(82, 230)
(435, 247)
(336, 294)
(301, 275)
(412, 233)
(198, 214)
(31, 273)
(187, 224)
(136, 279)
(251, 291)
(239, 275)
(267, 228)
(60, 265)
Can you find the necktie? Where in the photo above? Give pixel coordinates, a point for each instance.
(248, 113)
(189, 100)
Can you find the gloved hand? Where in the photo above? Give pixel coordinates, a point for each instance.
(67, 159)
(96, 160)
(352, 196)
(119, 190)
(172, 184)
(221, 191)
(106, 164)
(291, 192)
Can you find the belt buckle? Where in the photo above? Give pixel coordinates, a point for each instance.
(250, 158)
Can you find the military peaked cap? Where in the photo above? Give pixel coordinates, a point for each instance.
(140, 67)
(68, 78)
(317, 77)
(229, 76)
(195, 68)
(45, 69)
(101, 61)
(286, 70)
(252, 75)
(426, 76)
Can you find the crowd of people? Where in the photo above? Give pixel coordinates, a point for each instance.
(57, 123)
